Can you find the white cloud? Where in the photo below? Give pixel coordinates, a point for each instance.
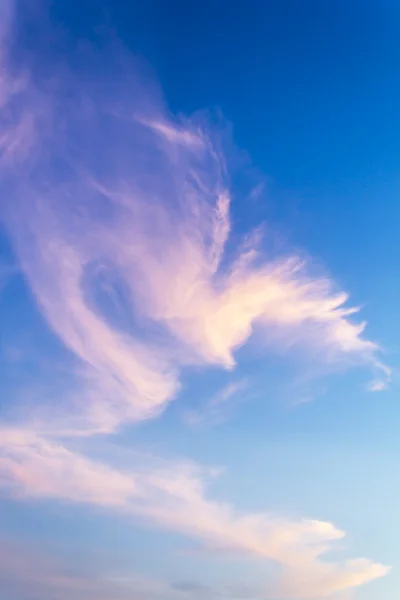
(172, 496)
(46, 469)
(120, 216)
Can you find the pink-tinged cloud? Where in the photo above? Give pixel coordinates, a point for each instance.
(120, 215)
(173, 496)
(45, 469)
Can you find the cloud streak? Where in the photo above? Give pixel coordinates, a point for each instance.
(172, 495)
(215, 409)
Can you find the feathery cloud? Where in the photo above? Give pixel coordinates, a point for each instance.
(120, 216)
(173, 496)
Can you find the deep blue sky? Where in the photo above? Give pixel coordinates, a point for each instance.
(318, 79)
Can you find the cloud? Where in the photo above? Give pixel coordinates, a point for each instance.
(216, 408)
(119, 214)
(45, 469)
(172, 495)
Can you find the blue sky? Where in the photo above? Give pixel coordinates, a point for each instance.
(198, 296)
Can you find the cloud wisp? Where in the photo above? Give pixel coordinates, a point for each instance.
(119, 213)
(172, 496)
(216, 408)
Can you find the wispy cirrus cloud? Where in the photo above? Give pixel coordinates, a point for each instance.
(119, 214)
(215, 409)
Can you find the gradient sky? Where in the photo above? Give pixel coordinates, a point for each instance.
(199, 292)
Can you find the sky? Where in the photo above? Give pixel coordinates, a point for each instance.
(199, 291)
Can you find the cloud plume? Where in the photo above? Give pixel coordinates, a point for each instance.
(120, 215)
(172, 495)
